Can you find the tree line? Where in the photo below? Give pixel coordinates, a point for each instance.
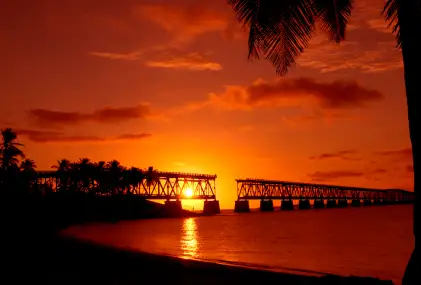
(18, 174)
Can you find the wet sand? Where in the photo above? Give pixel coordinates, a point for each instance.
(69, 261)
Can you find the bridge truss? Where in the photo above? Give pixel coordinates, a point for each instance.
(259, 189)
(171, 185)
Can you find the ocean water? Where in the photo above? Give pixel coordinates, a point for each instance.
(368, 241)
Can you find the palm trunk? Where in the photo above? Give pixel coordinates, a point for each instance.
(409, 16)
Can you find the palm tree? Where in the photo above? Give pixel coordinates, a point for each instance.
(99, 176)
(28, 166)
(28, 174)
(62, 165)
(280, 30)
(85, 172)
(115, 176)
(9, 150)
(134, 178)
(151, 175)
(63, 172)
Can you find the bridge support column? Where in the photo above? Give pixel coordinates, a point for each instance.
(356, 203)
(304, 204)
(319, 204)
(331, 203)
(242, 206)
(287, 205)
(342, 203)
(378, 202)
(211, 207)
(173, 208)
(367, 202)
(266, 205)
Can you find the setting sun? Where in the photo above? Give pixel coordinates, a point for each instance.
(188, 192)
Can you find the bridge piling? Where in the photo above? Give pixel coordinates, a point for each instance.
(377, 202)
(211, 207)
(356, 203)
(242, 206)
(367, 202)
(342, 203)
(287, 205)
(304, 204)
(319, 204)
(266, 205)
(331, 203)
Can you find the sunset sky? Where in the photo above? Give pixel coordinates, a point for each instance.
(167, 84)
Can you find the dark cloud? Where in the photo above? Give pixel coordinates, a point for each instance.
(378, 171)
(399, 153)
(52, 118)
(133, 136)
(333, 175)
(344, 154)
(297, 91)
(58, 137)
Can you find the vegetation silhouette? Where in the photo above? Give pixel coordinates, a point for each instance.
(280, 30)
(84, 191)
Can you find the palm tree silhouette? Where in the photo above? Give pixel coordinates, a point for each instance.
(280, 30)
(85, 170)
(151, 175)
(99, 176)
(9, 150)
(134, 178)
(28, 166)
(28, 175)
(115, 176)
(63, 167)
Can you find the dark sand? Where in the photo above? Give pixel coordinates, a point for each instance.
(68, 261)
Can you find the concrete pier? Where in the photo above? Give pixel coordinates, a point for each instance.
(242, 206)
(331, 203)
(173, 208)
(319, 204)
(342, 203)
(356, 203)
(377, 202)
(287, 205)
(367, 202)
(266, 205)
(304, 204)
(211, 207)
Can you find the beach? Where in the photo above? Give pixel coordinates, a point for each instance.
(68, 261)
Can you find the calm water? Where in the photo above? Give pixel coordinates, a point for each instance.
(371, 241)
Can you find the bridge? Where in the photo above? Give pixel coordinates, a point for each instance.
(169, 186)
(335, 196)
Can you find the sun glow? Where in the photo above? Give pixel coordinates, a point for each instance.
(188, 192)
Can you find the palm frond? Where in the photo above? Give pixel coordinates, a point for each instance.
(279, 30)
(390, 11)
(333, 16)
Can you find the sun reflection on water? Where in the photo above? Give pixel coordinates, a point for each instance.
(188, 238)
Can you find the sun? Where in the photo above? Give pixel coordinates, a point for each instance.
(188, 192)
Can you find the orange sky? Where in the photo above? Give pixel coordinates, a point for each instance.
(167, 83)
